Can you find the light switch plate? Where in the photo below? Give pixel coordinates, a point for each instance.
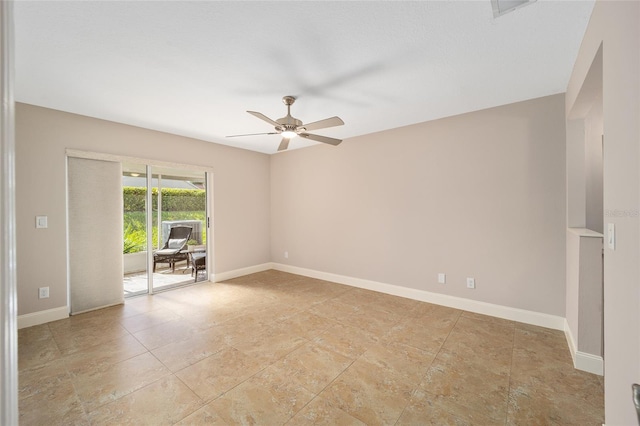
(41, 222)
(442, 278)
(611, 236)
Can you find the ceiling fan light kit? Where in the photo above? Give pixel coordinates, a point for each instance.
(290, 127)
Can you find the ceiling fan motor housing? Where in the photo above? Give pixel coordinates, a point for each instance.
(289, 123)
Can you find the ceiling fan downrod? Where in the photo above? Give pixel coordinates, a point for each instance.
(289, 123)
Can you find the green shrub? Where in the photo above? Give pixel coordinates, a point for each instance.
(177, 204)
(135, 232)
(134, 240)
(173, 199)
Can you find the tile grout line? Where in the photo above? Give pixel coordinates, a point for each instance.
(432, 361)
(513, 348)
(337, 376)
(202, 401)
(324, 388)
(415, 389)
(222, 394)
(169, 373)
(64, 359)
(413, 392)
(382, 334)
(315, 395)
(71, 382)
(82, 404)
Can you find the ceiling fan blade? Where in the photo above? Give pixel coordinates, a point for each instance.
(323, 139)
(264, 118)
(323, 124)
(252, 134)
(284, 144)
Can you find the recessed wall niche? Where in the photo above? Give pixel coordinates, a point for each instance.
(585, 221)
(585, 153)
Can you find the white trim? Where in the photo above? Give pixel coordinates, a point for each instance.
(97, 308)
(505, 312)
(8, 286)
(223, 276)
(209, 176)
(582, 360)
(210, 226)
(92, 155)
(499, 311)
(570, 341)
(148, 224)
(66, 232)
(589, 363)
(42, 317)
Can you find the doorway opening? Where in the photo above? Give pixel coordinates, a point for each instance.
(165, 224)
(585, 219)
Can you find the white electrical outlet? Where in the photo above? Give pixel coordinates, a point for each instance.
(442, 278)
(43, 292)
(41, 222)
(286, 254)
(471, 283)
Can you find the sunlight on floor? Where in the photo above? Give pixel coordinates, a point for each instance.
(136, 283)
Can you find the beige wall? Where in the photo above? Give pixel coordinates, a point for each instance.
(477, 195)
(576, 174)
(241, 193)
(616, 26)
(593, 167)
(589, 336)
(572, 282)
(584, 290)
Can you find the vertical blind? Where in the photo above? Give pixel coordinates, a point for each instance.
(95, 234)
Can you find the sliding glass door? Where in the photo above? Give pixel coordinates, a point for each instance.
(179, 224)
(134, 220)
(164, 209)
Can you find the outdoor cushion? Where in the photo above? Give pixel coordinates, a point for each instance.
(164, 252)
(176, 244)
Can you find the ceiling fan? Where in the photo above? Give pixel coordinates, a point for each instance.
(290, 127)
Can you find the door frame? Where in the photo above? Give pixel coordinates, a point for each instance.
(209, 217)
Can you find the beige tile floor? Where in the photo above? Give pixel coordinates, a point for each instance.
(274, 348)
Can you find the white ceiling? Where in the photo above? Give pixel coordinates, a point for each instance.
(194, 68)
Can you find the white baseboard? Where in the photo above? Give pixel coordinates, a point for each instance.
(223, 276)
(582, 360)
(505, 312)
(42, 317)
(570, 341)
(589, 363)
(120, 302)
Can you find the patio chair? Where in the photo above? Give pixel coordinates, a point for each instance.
(198, 263)
(172, 251)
